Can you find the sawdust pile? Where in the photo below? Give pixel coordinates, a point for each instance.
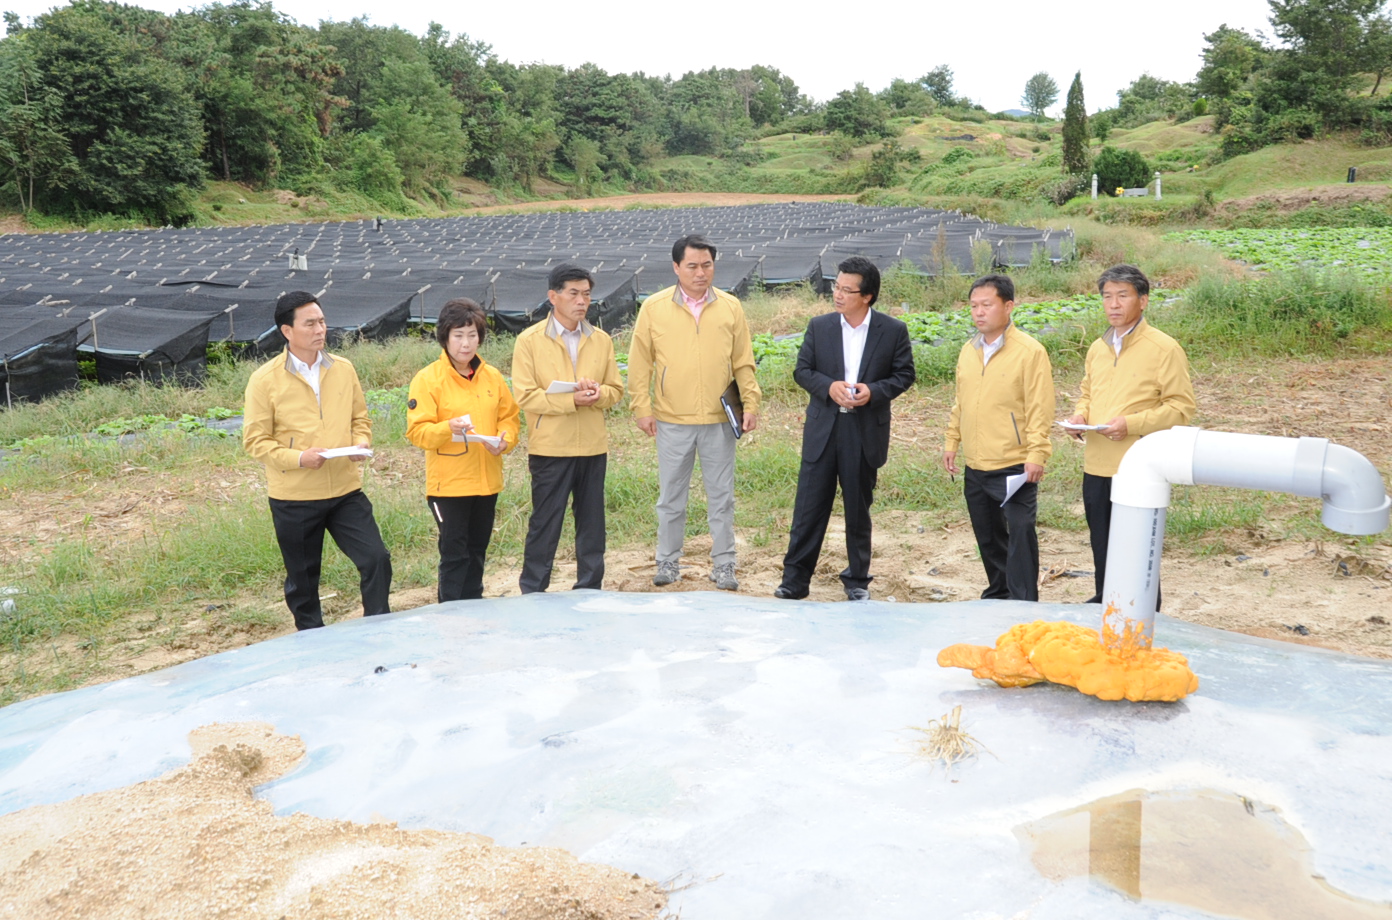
(196, 843)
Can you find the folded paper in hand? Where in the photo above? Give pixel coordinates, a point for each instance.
(334, 452)
(562, 386)
(1012, 485)
(491, 440)
(1072, 427)
(472, 437)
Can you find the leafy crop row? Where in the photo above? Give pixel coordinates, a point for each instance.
(1366, 250)
(952, 329)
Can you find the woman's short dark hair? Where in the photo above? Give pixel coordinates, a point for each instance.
(456, 314)
(1125, 274)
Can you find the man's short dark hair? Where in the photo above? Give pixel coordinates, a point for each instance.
(1005, 288)
(691, 241)
(565, 273)
(869, 275)
(1125, 274)
(456, 314)
(288, 303)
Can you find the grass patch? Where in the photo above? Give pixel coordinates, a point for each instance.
(1302, 313)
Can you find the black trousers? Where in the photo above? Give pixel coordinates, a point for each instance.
(300, 527)
(554, 481)
(1097, 506)
(1006, 536)
(842, 461)
(466, 526)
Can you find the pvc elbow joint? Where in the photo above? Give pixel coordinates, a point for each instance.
(1354, 499)
(1152, 464)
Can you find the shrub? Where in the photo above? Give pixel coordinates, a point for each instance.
(1120, 169)
(1065, 189)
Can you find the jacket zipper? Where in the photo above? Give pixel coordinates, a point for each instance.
(1017, 429)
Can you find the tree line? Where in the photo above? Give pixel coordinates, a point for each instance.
(1320, 71)
(117, 109)
(108, 108)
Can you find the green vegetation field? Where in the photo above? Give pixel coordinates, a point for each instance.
(1366, 250)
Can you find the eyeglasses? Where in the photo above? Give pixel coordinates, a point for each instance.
(845, 290)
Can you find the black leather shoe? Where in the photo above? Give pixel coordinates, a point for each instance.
(787, 594)
(857, 594)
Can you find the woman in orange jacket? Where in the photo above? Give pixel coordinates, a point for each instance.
(461, 413)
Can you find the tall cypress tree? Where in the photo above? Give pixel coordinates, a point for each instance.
(1075, 130)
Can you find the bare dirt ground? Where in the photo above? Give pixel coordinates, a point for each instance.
(196, 843)
(1294, 199)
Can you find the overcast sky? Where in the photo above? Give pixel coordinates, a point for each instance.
(992, 47)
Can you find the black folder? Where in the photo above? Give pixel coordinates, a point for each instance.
(734, 408)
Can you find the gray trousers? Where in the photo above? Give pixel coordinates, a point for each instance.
(677, 449)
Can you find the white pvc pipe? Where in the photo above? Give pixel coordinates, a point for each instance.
(1355, 500)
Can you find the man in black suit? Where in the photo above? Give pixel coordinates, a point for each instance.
(853, 363)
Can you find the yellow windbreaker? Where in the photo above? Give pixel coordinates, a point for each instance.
(556, 427)
(677, 369)
(1004, 409)
(281, 418)
(1148, 383)
(439, 393)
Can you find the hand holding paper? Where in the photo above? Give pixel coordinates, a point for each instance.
(351, 452)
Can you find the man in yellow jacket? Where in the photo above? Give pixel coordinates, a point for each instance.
(567, 442)
(1135, 382)
(300, 404)
(1000, 423)
(690, 341)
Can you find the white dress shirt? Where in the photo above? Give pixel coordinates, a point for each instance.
(1116, 339)
(988, 349)
(853, 345)
(570, 337)
(310, 372)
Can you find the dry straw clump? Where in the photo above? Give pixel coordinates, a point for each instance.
(945, 741)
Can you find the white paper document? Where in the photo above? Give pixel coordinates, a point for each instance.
(1012, 485)
(562, 386)
(470, 437)
(491, 440)
(334, 452)
(1072, 427)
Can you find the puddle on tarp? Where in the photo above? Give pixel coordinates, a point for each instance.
(1216, 851)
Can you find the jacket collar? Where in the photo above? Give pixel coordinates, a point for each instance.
(1127, 337)
(978, 341)
(585, 328)
(448, 365)
(286, 363)
(712, 295)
